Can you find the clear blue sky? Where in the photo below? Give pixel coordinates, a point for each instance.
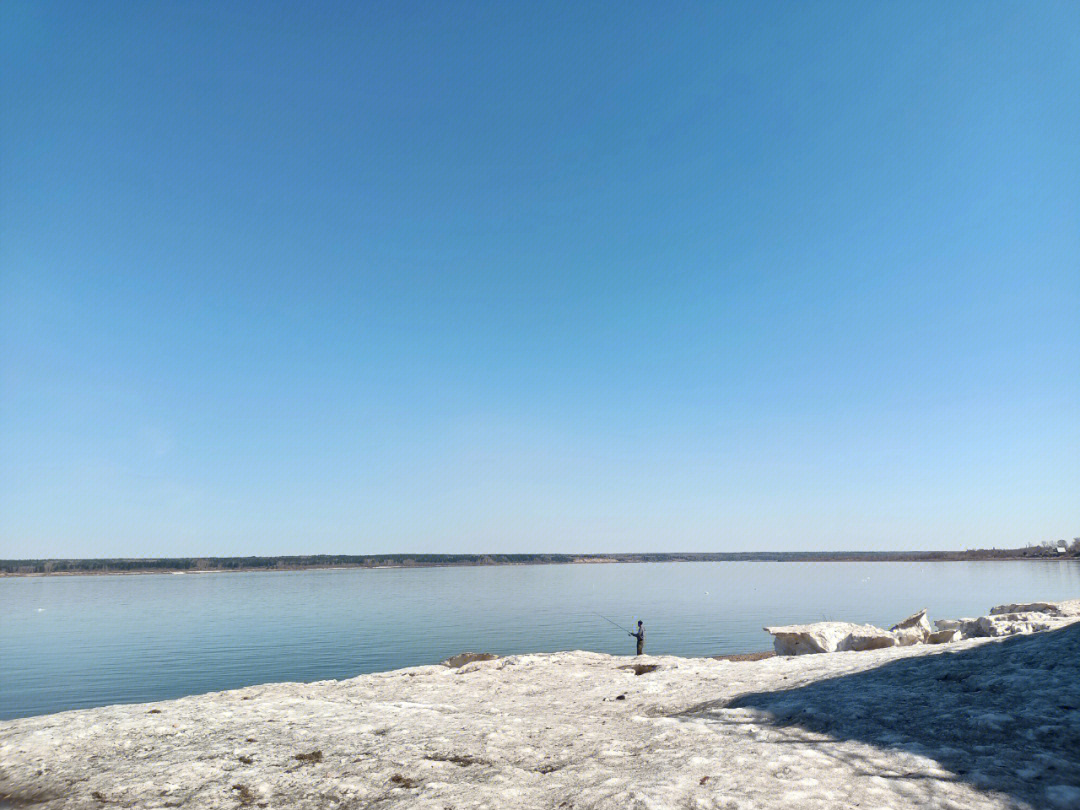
(432, 277)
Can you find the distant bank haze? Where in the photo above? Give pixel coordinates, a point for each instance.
(1045, 551)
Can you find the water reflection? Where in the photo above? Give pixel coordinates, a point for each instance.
(79, 641)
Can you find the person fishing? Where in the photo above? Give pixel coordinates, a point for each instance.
(640, 636)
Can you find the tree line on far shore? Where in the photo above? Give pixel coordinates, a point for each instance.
(1048, 550)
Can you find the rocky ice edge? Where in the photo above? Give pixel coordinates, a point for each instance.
(1003, 620)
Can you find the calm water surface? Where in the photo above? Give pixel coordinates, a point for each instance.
(78, 641)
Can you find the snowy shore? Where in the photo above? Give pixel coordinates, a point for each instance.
(982, 723)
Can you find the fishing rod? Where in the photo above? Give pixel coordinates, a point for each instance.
(609, 621)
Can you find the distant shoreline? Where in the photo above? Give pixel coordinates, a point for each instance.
(217, 565)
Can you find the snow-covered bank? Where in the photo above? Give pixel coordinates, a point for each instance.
(974, 724)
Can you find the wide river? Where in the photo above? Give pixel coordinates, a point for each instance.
(70, 642)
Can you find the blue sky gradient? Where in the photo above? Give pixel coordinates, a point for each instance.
(432, 277)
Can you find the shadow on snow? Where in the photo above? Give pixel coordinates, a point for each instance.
(1004, 716)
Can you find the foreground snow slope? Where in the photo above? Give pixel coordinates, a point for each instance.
(979, 724)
